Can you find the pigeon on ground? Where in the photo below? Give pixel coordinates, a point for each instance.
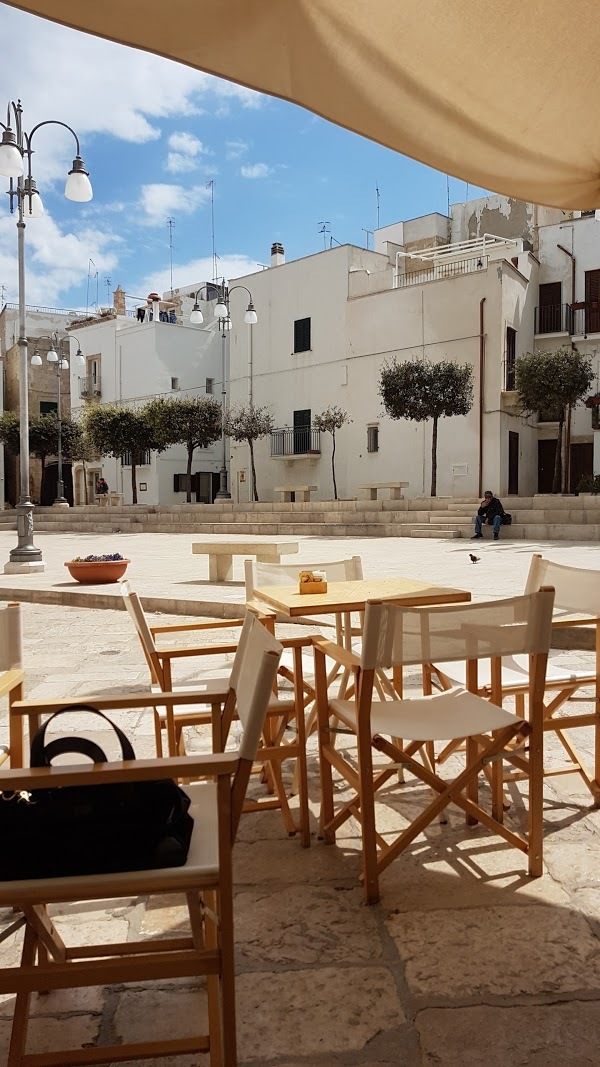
(474, 559)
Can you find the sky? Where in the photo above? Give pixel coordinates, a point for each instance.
(153, 135)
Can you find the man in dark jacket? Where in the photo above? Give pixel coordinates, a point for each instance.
(490, 512)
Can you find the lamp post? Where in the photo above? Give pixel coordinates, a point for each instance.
(222, 313)
(15, 163)
(53, 357)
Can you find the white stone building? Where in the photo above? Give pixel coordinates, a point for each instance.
(131, 358)
(464, 288)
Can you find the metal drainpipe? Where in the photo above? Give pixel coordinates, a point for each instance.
(481, 392)
(566, 466)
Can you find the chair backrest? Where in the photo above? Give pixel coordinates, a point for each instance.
(254, 680)
(11, 641)
(136, 612)
(577, 589)
(266, 574)
(399, 636)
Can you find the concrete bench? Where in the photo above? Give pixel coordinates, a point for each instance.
(395, 489)
(291, 493)
(220, 554)
(110, 500)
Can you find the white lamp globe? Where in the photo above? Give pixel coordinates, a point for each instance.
(33, 207)
(64, 364)
(221, 310)
(79, 186)
(36, 361)
(52, 356)
(11, 160)
(226, 324)
(79, 358)
(251, 318)
(196, 316)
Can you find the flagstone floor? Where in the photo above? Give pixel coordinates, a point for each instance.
(465, 962)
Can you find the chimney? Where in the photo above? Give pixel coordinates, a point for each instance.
(119, 300)
(154, 303)
(277, 254)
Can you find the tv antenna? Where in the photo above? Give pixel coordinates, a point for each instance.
(368, 233)
(324, 228)
(3, 292)
(90, 276)
(170, 224)
(108, 284)
(377, 196)
(211, 185)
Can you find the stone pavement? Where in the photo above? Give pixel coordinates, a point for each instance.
(465, 962)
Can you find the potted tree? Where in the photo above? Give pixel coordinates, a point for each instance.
(97, 570)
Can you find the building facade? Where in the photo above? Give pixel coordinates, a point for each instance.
(466, 288)
(134, 354)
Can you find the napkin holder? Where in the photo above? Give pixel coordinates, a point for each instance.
(312, 582)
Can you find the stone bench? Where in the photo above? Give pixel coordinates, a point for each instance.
(291, 493)
(110, 500)
(395, 488)
(220, 554)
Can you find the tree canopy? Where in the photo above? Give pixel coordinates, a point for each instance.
(191, 422)
(113, 430)
(418, 391)
(249, 424)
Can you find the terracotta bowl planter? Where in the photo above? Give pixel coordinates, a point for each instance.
(98, 573)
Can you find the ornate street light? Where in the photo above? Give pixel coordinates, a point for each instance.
(222, 313)
(15, 163)
(59, 363)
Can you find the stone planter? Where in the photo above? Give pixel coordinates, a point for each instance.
(97, 573)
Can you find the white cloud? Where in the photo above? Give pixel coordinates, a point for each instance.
(186, 143)
(97, 87)
(196, 272)
(178, 163)
(255, 170)
(160, 199)
(235, 149)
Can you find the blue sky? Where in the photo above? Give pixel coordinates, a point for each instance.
(153, 134)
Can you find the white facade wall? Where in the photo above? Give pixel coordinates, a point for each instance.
(138, 361)
(357, 322)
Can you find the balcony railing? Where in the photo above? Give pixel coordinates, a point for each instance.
(442, 270)
(296, 441)
(89, 387)
(555, 318)
(586, 319)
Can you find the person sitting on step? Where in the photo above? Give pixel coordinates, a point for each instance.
(490, 512)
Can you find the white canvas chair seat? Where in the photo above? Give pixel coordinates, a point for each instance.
(214, 687)
(11, 678)
(454, 713)
(515, 673)
(404, 729)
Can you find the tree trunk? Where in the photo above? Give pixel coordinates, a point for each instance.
(434, 456)
(85, 485)
(133, 480)
(43, 478)
(188, 474)
(558, 456)
(254, 489)
(333, 467)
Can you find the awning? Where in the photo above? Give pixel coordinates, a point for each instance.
(504, 94)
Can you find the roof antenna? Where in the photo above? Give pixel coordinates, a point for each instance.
(211, 185)
(324, 228)
(107, 283)
(170, 224)
(378, 197)
(369, 233)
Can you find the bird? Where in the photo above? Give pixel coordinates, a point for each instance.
(474, 559)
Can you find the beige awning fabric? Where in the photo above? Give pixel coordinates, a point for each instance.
(504, 94)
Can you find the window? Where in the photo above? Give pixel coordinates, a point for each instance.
(302, 434)
(48, 407)
(372, 438)
(302, 335)
(588, 214)
(511, 349)
(179, 483)
(210, 385)
(143, 461)
(175, 383)
(549, 311)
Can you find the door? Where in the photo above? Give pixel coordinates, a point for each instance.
(582, 462)
(302, 431)
(549, 320)
(546, 457)
(513, 463)
(592, 301)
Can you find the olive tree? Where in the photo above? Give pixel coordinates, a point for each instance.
(249, 424)
(193, 423)
(551, 382)
(419, 391)
(43, 437)
(113, 430)
(330, 421)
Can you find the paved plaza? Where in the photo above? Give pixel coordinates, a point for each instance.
(465, 962)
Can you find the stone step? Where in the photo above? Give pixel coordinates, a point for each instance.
(435, 532)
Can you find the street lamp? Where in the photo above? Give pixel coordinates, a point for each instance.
(15, 163)
(59, 364)
(222, 313)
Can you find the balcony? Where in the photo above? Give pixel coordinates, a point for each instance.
(440, 270)
(89, 388)
(586, 319)
(295, 442)
(555, 318)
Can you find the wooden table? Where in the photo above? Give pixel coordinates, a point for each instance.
(220, 554)
(345, 597)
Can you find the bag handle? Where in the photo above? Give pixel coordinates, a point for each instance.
(42, 754)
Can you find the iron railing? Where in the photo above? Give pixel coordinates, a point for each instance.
(88, 387)
(441, 270)
(296, 441)
(586, 319)
(554, 318)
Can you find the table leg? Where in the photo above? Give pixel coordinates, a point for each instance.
(220, 568)
(395, 494)
(372, 494)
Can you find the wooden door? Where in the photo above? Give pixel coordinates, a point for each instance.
(546, 457)
(513, 463)
(592, 301)
(582, 462)
(302, 431)
(549, 320)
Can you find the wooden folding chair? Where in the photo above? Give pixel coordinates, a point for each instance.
(206, 880)
(395, 637)
(11, 677)
(285, 708)
(577, 602)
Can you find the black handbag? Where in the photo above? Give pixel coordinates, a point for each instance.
(95, 829)
(507, 519)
